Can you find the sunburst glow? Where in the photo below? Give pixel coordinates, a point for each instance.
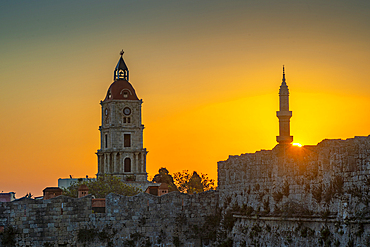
(297, 144)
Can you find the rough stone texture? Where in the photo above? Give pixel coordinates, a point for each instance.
(288, 196)
(128, 221)
(303, 232)
(112, 153)
(327, 181)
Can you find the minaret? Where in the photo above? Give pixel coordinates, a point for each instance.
(121, 150)
(284, 114)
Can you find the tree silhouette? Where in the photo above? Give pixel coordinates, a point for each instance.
(164, 176)
(190, 183)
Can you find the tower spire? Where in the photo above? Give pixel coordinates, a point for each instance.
(121, 71)
(284, 114)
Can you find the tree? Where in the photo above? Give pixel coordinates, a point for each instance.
(190, 183)
(102, 186)
(164, 176)
(195, 184)
(181, 180)
(208, 183)
(72, 190)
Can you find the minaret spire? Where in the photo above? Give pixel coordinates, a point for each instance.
(284, 114)
(121, 70)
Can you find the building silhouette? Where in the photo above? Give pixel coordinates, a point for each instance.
(284, 114)
(121, 150)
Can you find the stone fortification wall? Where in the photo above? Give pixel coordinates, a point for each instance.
(310, 174)
(303, 232)
(313, 183)
(288, 196)
(141, 220)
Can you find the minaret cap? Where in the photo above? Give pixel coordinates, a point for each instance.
(283, 82)
(283, 87)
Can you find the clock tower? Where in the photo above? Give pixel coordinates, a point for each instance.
(121, 150)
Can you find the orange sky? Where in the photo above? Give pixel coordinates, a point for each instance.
(207, 71)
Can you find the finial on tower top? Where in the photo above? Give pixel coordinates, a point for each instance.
(121, 71)
(283, 74)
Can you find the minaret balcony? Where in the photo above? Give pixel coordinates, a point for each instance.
(284, 114)
(284, 139)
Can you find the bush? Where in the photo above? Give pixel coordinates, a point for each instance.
(176, 241)
(9, 236)
(247, 210)
(85, 235)
(227, 243)
(255, 230)
(102, 186)
(325, 236)
(317, 193)
(286, 189)
(337, 185)
(229, 220)
(278, 196)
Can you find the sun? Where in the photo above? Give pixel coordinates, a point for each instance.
(297, 144)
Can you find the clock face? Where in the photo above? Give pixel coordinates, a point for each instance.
(127, 111)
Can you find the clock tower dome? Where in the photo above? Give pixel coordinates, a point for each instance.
(121, 150)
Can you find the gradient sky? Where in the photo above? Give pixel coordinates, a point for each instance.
(208, 72)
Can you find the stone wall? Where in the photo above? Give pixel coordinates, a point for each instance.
(141, 220)
(341, 167)
(289, 196)
(303, 232)
(327, 181)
